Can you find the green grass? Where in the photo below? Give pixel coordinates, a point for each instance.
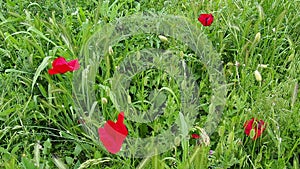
(39, 121)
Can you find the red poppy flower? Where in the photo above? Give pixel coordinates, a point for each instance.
(113, 134)
(206, 19)
(60, 65)
(195, 136)
(258, 126)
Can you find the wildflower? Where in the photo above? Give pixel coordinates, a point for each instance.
(113, 134)
(257, 126)
(60, 66)
(206, 19)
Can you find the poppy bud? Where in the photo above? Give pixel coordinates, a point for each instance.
(252, 133)
(103, 100)
(128, 99)
(177, 141)
(262, 65)
(163, 38)
(110, 50)
(181, 54)
(230, 138)
(221, 131)
(257, 38)
(229, 64)
(257, 76)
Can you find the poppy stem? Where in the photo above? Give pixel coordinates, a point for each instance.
(252, 153)
(108, 66)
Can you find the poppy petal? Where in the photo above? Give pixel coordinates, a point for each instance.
(113, 134)
(52, 71)
(257, 126)
(111, 139)
(195, 136)
(74, 64)
(248, 126)
(59, 61)
(119, 125)
(60, 65)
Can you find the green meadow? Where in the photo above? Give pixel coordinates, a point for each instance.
(41, 125)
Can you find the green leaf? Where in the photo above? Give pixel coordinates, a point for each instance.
(46, 146)
(77, 150)
(97, 154)
(183, 125)
(42, 66)
(28, 164)
(7, 112)
(69, 160)
(59, 163)
(33, 29)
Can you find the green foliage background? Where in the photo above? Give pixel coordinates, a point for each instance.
(39, 127)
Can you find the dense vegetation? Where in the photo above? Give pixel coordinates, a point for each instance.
(40, 126)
